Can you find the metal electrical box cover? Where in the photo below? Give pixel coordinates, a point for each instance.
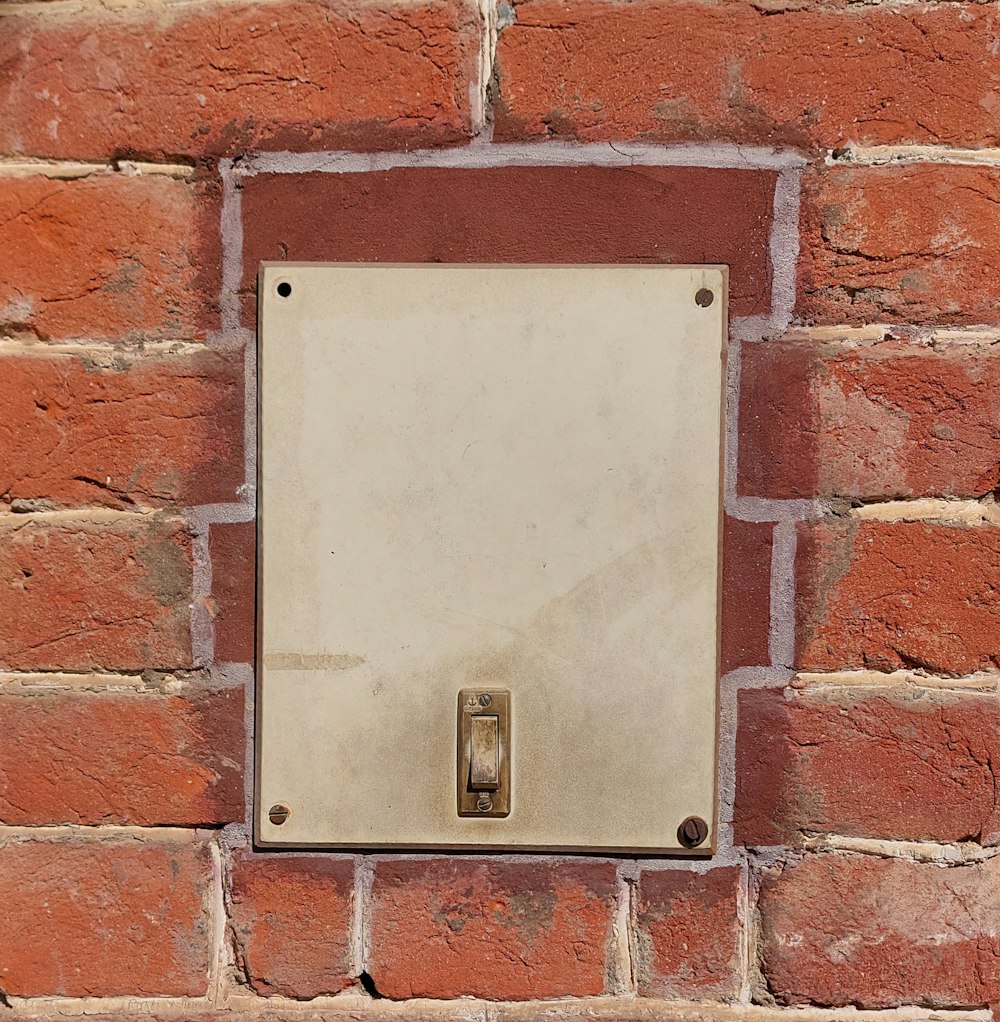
(488, 477)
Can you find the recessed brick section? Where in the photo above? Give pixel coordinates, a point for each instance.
(907, 766)
(105, 918)
(109, 592)
(108, 256)
(897, 595)
(876, 933)
(226, 78)
(688, 934)
(121, 432)
(518, 215)
(882, 422)
(746, 593)
(912, 244)
(232, 548)
(291, 918)
(448, 928)
(121, 758)
(654, 69)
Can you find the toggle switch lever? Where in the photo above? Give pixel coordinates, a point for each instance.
(483, 752)
(484, 759)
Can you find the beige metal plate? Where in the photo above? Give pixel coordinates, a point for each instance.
(488, 477)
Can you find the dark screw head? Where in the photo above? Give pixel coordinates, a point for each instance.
(484, 804)
(692, 832)
(485, 699)
(704, 297)
(278, 814)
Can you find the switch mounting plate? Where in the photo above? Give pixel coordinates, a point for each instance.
(500, 478)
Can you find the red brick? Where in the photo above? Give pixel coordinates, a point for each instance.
(518, 215)
(449, 928)
(888, 421)
(112, 593)
(688, 934)
(291, 918)
(233, 590)
(896, 595)
(906, 766)
(661, 70)
(98, 919)
(917, 244)
(876, 933)
(151, 431)
(226, 78)
(746, 593)
(121, 758)
(108, 257)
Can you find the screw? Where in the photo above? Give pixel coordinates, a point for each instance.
(692, 832)
(278, 814)
(485, 699)
(704, 297)
(485, 804)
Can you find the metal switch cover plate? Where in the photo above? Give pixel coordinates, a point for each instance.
(490, 478)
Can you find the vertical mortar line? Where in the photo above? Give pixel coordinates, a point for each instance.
(202, 629)
(743, 912)
(364, 873)
(784, 245)
(781, 635)
(231, 232)
(248, 491)
(250, 745)
(620, 967)
(482, 114)
(215, 994)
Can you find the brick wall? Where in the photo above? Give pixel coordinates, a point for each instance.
(836, 156)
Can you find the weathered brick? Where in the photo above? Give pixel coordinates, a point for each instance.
(889, 595)
(688, 934)
(121, 758)
(223, 78)
(746, 593)
(233, 554)
(102, 918)
(109, 592)
(917, 244)
(148, 431)
(449, 928)
(663, 70)
(108, 256)
(291, 918)
(912, 766)
(881, 422)
(535, 215)
(859, 930)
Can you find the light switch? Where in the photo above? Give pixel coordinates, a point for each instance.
(484, 753)
(484, 769)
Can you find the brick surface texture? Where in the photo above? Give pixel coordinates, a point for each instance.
(839, 158)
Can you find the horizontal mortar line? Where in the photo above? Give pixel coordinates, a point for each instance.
(939, 852)
(104, 680)
(529, 154)
(880, 155)
(625, 1007)
(231, 513)
(70, 169)
(875, 333)
(766, 509)
(757, 677)
(880, 680)
(108, 350)
(943, 510)
(165, 834)
(91, 515)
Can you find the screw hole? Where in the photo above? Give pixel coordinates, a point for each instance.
(284, 289)
(704, 297)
